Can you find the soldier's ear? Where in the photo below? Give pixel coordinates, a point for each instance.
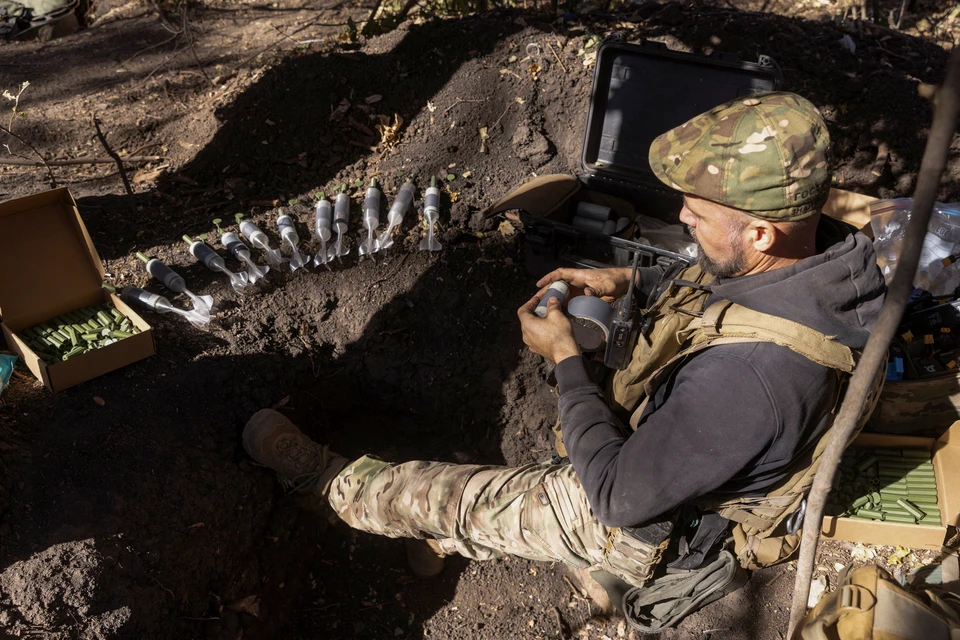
(761, 234)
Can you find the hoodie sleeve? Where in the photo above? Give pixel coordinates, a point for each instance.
(702, 432)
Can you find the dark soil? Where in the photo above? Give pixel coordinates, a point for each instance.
(127, 505)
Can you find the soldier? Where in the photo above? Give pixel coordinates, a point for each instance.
(715, 423)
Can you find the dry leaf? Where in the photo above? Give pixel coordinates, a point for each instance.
(341, 109)
(148, 175)
(389, 133)
(431, 107)
(249, 605)
(373, 99)
(99, 400)
(283, 402)
(535, 70)
(506, 229)
(898, 556)
(454, 196)
(519, 100)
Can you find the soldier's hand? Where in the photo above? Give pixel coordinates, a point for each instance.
(550, 337)
(608, 284)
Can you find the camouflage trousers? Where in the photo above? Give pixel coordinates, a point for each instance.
(537, 511)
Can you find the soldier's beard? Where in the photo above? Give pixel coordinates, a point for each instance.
(728, 268)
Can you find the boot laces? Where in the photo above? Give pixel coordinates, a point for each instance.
(314, 459)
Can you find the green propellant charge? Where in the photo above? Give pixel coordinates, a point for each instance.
(891, 485)
(77, 332)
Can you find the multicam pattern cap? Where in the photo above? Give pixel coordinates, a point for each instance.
(765, 154)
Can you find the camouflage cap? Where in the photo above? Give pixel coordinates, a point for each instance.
(765, 154)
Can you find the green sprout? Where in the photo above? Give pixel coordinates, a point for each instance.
(292, 201)
(204, 236)
(320, 195)
(359, 184)
(238, 217)
(451, 177)
(216, 223)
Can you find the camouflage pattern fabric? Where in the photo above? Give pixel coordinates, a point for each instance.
(766, 154)
(537, 511)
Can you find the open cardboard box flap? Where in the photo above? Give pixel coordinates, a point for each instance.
(47, 258)
(50, 266)
(946, 468)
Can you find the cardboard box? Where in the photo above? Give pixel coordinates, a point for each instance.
(48, 266)
(852, 208)
(946, 469)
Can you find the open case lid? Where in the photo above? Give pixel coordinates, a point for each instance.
(48, 263)
(642, 90)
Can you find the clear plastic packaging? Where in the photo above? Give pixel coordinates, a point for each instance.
(938, 271)
(6, 369)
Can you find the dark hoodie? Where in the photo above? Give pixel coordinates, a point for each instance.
(734, 417)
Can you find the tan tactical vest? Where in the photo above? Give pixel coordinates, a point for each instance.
(681, 328)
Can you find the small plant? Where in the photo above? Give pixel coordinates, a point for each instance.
(239, 217)
(451, 177)
(15, 99)
(216, 223)
(292, 201)
(204, 236)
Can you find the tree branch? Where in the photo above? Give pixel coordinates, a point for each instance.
(53, 180)
(113, 154)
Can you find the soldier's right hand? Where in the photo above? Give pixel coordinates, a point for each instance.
(608, 284)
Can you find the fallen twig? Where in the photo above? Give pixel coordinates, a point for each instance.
(53, 180)
(185, 28)
(461, 101)
(26, 162)
(559, 61)
(275, 43)
(175, 54)
(153, 46)
(113, 154)
(494, 126)
(163, 18)
(361, 127)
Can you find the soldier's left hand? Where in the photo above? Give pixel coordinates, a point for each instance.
(550, 337)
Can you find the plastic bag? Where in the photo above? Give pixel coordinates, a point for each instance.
(936, 272)
(663, 235)
(6, 369)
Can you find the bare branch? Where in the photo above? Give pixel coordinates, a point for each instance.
(53, 180)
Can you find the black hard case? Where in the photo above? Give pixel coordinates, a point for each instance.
(639, 91)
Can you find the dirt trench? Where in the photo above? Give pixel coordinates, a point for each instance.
(128, 506)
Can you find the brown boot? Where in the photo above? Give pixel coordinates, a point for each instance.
(424, 557)
(592, 589)
(302, 464)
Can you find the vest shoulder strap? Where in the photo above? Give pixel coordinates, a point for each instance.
(726, 320)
